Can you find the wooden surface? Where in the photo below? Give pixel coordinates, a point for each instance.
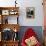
(2, 8)
(0, 43)
(9, 43)
(15, 9)
(44, 6)
(10, 26)
(10, 8)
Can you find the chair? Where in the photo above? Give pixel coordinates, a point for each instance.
(29, 33)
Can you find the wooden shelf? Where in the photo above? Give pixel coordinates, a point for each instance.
(4, 13)
(3, 8)
(9, 43)
(11, 26)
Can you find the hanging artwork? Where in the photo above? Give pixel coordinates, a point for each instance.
(30, 12)
(5, 12)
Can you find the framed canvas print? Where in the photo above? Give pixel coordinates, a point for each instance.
(30, 12)
(5, 12)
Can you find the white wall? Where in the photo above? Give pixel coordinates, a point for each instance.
(38, 21)
(23, 21)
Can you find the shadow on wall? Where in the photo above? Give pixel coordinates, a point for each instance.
(37, 29)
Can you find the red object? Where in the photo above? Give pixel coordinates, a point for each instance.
(29, 33)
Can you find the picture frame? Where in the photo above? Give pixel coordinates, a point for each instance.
(13, 12)
(30, 12)
(5, 12)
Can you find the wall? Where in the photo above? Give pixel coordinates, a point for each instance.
(23, 21)
(37, 29)
(38, 21)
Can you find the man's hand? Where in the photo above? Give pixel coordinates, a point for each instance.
(32, 41)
